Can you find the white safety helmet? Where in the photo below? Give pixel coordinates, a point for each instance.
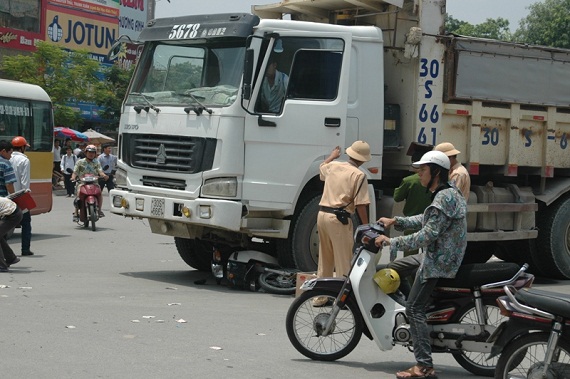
(436, 157)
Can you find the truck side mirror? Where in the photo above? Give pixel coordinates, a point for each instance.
(247, 74)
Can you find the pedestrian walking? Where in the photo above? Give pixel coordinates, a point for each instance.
(108, 162)
(21, 165)
(67, 165)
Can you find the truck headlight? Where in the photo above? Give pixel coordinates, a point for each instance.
(121, 177)
(226, 187)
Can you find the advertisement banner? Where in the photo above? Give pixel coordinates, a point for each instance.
(18, 39)
(132, 18)
(76, 30)
(103, 7)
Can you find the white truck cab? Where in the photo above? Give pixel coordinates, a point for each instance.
(220, 154)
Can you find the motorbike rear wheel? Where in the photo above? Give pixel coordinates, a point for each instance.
(303, 320)
(473, 361)
(279, 283)
(524, 358)
(91, 215)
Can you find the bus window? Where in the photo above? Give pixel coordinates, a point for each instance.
(26, 110)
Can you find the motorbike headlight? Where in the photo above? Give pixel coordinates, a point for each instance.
(226, 187)
(121, 178)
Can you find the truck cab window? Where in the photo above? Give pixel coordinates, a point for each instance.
(315, 75)
(173, 75)
(302, 68)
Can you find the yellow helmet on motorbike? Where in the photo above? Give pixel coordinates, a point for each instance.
(388, 280)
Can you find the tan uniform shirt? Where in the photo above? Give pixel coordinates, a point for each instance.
(461, 178)
(342, 181)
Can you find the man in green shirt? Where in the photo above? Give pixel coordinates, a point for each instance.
(416, 197)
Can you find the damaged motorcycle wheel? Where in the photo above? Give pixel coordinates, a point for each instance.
(279, 282)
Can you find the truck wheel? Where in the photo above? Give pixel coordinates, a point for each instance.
(197, 254)
(301, 249)
(552, 254)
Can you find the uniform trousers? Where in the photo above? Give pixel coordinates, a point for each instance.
(335, 245)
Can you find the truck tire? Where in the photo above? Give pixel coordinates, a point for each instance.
(519, 252)
(197, 254)
(301, 249)
(552, 253)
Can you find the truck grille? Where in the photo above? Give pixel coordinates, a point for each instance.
(168, 153)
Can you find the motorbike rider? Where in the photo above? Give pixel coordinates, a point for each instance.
(443, 235)
(88, 165)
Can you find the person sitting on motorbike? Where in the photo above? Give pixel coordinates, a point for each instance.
(88, 165)
(443, 235)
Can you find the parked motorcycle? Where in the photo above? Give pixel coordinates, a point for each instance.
(88, 201)
(462, 316)
(534, 342)
(254, 270)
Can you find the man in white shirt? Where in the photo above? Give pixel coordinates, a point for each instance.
(67, 166)
(273, 88)
(21, 165)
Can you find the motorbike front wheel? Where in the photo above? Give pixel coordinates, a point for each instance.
(475, 362)
(524, 358)
(280, 283)
(304, 321)
(92, 216)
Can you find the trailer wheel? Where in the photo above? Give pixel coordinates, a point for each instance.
(552, 254)
(196, 253)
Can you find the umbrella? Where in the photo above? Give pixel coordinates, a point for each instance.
(96, 137)
(65, 133)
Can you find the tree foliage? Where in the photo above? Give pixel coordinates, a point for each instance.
(492, 28)
(547, 24)
(65, 76)
(68, 78)
(110, 92)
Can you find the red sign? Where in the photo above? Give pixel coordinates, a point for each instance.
(18, 39)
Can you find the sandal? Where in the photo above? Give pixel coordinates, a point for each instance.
(417, 372)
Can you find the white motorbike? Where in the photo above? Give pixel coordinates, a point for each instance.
(462, 314)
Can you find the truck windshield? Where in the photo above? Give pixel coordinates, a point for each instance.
(177, 75)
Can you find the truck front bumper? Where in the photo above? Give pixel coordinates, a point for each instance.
(173, 216)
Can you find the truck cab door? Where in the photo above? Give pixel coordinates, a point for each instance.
(297, 114)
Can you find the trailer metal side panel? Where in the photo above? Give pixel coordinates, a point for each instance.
(492, 71)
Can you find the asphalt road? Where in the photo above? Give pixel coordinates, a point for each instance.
(120, 303)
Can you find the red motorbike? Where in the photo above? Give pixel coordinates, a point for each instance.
(88, 201)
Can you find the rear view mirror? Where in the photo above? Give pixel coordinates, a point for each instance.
(247, 74)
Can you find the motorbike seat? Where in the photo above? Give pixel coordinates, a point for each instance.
(551, 302)
(476, 274)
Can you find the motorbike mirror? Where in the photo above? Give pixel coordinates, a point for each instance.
(106, 167)
(69, 171)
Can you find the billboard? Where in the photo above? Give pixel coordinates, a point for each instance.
(132, 17)
(109, 8)
(21, 24)
(76, 30)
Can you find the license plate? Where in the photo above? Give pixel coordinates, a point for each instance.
(157, 207)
